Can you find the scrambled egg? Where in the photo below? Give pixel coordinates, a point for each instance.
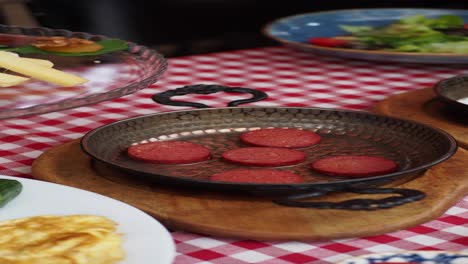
(74, 239)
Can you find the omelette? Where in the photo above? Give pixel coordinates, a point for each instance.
(50, 239)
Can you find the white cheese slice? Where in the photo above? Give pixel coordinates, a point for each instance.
(7, 80)
(46, 63)
(34, 70)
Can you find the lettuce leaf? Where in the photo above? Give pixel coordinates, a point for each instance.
(459, 47)
(356, 29)
(441, 22)
(414, 34)
(108, 45)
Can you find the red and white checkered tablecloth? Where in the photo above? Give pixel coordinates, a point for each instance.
(291, 78)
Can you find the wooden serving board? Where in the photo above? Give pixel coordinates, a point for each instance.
(423, 106)
(248, 217)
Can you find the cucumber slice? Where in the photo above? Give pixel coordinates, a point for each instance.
(9, 189)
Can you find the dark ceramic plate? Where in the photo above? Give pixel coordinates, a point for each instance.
(454, 92)
(415, 147)
(295, 30)
(110, 75)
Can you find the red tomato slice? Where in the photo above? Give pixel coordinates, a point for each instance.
(327, 42)
(465, 26)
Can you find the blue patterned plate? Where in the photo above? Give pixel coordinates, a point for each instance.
(296, 30)
(426, 257)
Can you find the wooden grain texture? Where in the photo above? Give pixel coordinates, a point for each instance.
(423, 106)
(249, 217)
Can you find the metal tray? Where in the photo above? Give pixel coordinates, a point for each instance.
(414, 146)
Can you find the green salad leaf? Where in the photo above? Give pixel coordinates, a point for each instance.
(356, 29)
(108, 45)
(459, 47)
(414, 34)
(442, 22)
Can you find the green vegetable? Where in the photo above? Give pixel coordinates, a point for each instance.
(356, 29)
(414, 34)
(442, 22)
(108, 45)
(9, 189)
(460, 47)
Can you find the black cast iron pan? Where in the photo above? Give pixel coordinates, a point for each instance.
(414, 146)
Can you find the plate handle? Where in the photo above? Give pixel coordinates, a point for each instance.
(404, 196)
(165, 97)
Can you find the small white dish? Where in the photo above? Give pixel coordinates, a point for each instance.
(145, 240)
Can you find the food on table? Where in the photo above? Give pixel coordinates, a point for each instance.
(67, 45)
(7, 80)
(35, 70)
(354, 166)
(59, 45)
(169, 152)
(257, 176)
(444, 34)
(264, 156)
(46, 63)
(9, 189)
(47, 239)
(330, 42)
(281, 138)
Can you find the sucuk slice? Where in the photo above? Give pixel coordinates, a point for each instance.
(169, 152)
(263, 156)
(354, 166)
(281, 138)
(257, 176)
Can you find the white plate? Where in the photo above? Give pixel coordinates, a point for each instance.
(145, 240)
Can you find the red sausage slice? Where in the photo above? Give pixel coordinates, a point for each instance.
(265, 157)
(354, 166)
(281, 138)
(257, 176)
(169, 152)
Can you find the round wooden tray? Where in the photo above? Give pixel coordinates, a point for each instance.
(423, 106)
(248, 217)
